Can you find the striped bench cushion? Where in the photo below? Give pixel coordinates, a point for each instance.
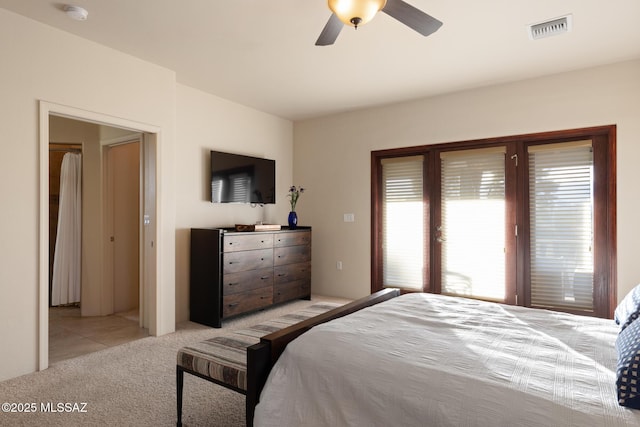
(224, 358)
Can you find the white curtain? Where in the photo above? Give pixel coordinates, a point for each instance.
(66, 262)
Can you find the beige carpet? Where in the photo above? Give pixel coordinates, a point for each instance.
(132, 384)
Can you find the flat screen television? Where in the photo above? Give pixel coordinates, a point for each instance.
(236, 178)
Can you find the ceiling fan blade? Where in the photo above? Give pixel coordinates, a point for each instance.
(412, 17)
(330, 31)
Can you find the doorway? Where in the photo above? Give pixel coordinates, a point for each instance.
(97, 297)
(80, 324)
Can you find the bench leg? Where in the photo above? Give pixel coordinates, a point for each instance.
(179, 384)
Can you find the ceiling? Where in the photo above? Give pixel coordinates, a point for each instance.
(262, 54)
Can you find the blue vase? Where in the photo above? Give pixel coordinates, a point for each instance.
(293, 220)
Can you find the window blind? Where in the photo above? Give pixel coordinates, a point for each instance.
(403, 222)
(472, 223)
(561, 236)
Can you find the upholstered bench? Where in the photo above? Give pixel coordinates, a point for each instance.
(223, 359)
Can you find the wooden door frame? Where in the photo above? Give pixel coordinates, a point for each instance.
(605, 255)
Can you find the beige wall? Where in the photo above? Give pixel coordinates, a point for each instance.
(41, 63)
(205, 123)
(44, 64)
(332, 157)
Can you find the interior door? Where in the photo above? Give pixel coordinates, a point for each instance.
(124, 209)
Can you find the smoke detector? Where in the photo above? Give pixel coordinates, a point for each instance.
(550, 28)
(76, 12)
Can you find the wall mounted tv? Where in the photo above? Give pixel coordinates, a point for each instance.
(242, 179)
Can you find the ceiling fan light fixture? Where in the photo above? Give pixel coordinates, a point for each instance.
(356, 12)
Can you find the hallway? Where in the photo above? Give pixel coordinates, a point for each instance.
(71, 335)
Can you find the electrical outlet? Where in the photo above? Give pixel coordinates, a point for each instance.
(349, 217)
(339, 265)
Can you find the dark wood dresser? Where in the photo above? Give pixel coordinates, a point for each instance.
(238, 272)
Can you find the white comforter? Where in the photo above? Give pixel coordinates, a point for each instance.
(432, 360)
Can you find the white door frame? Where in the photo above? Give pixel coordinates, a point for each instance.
(149, 261)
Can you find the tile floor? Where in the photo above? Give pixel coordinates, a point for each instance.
(71, 335)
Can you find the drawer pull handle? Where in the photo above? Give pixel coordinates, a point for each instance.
(261, 259)
(281, 274)
(263, 297)
(232, 284)
(233, 305)
(264, 277)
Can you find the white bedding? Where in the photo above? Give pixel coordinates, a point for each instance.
(432, 360)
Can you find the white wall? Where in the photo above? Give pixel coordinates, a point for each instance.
(332, 157)
(41, 63)
(204, 123)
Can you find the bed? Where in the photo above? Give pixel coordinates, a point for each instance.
(433, 360)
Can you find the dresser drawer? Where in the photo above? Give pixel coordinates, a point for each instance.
(244, 281)
(246, 242)
(247, 260)
(291, 272)
(247, 301)
(291, 290)
(291, 255)
(292, 238)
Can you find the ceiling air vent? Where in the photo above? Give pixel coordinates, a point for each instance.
(550, 28)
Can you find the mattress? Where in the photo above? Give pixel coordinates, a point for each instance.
(433, 360)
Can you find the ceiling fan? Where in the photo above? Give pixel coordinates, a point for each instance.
(358, 12)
